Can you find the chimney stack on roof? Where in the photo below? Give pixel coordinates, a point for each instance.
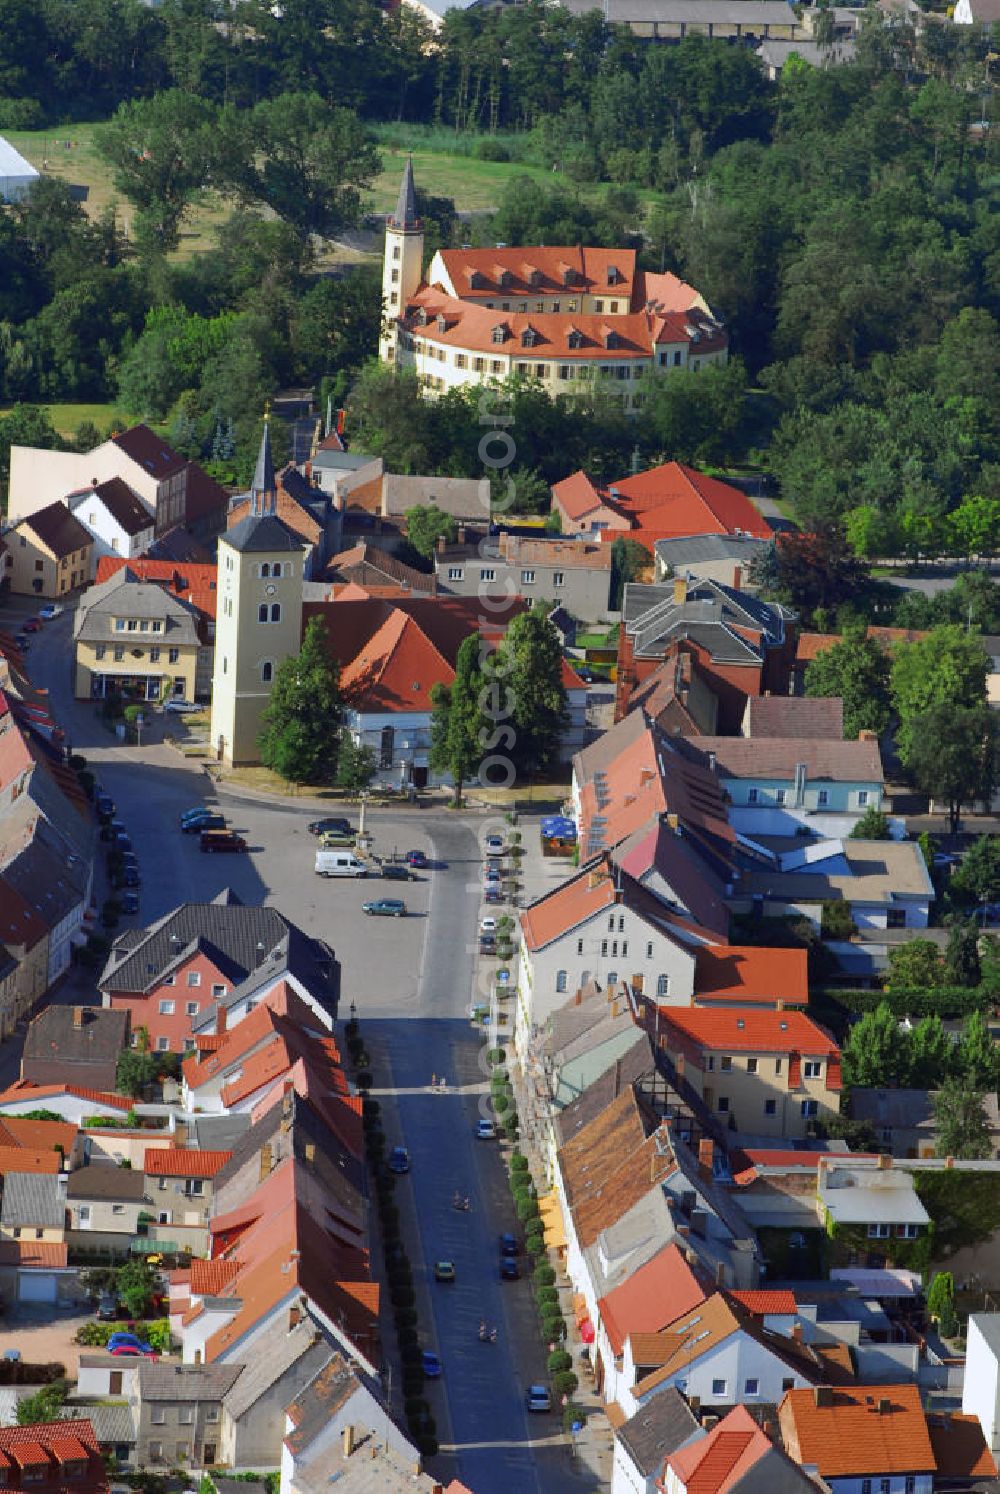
(737, 577)
(822, 1396)
(680, 590)
(706, 1155)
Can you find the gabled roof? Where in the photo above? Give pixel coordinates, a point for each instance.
(45, 1255)
(125, 506)
(396, 671)
(364, 563)
(960, 1449)
(765, 1302)
(577, 496)
(162, 1381)
(716, 1463)
(657, 1429)
(150, 451)
(611, 1164)
(99, 1180)
(20, 1159)
(651, 1298)
(22, 1090)
(181, 1162)
(51, 1445)
(732, 1030)
(778, 757)
(59, 530)
(19, 923)
(37, 1135)
(597, 885)
(191, 582)
(674, 498)
(73, 1034)
(32, 1199)
(801, 716)
(751, 973)
(874, 1429)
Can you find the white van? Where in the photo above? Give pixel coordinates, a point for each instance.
(340, 863)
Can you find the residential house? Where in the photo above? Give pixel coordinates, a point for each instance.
(195, 584)
(770, 1073)
(179, 1187)
(37, 1271)
(375, 570)
(67, 1100)
(743, 646)
(51, 1457)
(964, 1462)
(254, 1409)
(642, 1443)
(105, 1208)
(114, 1427)
(736, 1457)
(337, 1432)
(860, 1439)
(180, 493)
(801, 717)
(670, 20)
(204, 959)
(33, 1207)
(116, 518)
(49, 553)
(885, 884)
(592, 1031)
(866, 1204)
(601, 925)
(134, 639)
(981, 1386)
(708, 557)
(904, 1119)
(982, 13)
(584, 509)
(775, 782)
(673, 501)
(809, 645)
(467, 500)
(773, 55)
(677, 695)
(647, 1301)
(720, 1354)
(179, 1410)
(45, 870)
(80, 1044)
(570, 573)
(25, 940)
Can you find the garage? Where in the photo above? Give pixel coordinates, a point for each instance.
(36, 1286)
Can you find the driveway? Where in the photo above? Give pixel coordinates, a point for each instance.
(46, 1339)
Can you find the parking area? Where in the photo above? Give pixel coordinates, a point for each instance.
(45, 1335)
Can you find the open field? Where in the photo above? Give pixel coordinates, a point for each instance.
(68, 419)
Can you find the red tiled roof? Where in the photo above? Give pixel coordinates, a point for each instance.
(721, 1459)
(222, 1050)
(750, 973)
(22, 1090)
(733, 1030)
(577, 496)
(676, 500)
(19, 923)
(177, 1162)
(210, 1277)
(851, 1436)
(50, 1444)
(191, 583)
(808, 645)
(51, 1254)
(396, 670)
(767, 1301)
(37, 1135)
(960, 1449)
(20, 1159)
(569, 905)
(656, 1294)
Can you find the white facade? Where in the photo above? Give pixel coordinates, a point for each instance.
(737, 1371)
(39, 477)
(362, 1412)
(61, 938)
(981, 1388)
(109, 537)
(401, 743)
(899, 1483)
(17, 176)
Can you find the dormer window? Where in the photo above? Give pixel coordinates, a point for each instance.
(499, 333)
(575, 338)
(440, 322)
(612, 275)
(610, 338)
(504, 278)
(535, 277)
(529, 337)
(476, 281)
(421, 317)
(568, 274)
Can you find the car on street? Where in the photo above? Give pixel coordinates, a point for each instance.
(493, 845)
(129, 1351)
(122, 841)
(444, 1270)
(49, 611)
(509, 1269)
(217, 842)
(509, 1245)
(431, 1365)
(943, 859)
(31, 625)
(538, 1398)
(180, 706)
(107, 1308)
(338, 839)
(385, 907)
(129, 1341)
(492, 893)
(393, 872)
(399, 1160)
(486, 1130)
(488, 944)
(131, 877)
(333, 825)
(104, 805)
(12, 1356)
(488, 925)
(23, 642)
(129, 902)
(202, 819)
(416, 859)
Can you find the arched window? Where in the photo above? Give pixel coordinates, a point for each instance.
(262, 613)
(267, 671)
(561, 980)
(276, 612)
(265, 569)
(277, 569)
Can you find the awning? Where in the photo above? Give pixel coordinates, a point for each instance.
(553, 1228)
(587, 1333)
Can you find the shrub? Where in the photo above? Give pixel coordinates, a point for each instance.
(509, 1124)
(352, 1028)
(572, 1413)
(410, 1353)
(547, 1297)
(526, 1208)
(544, 1275)
(428, 1445)
(406, 1317)
(402, 1296)
(405, 1337)
(400, 1274)
(492, 150)
(496, 1055)
(364, 1078)
(534, 1227)
(558, 1360)
(500, 1103)
(370, 1110)
(565, 1382)
(415, 1405)
(554, 1329)
(413, 1379)
(518, 1162)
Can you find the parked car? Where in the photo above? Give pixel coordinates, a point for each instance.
(23, 642)
(492, 893)
(493, 845)
(180, 706)
(129, 902)
(509, 1245)
(488, 925)
(220, 841)
(49, 611)
(509, 1269)
(399, 1160)
(334, 839)
(129, 1341)
(393, 872)
(538, 1398)
(205, 819)
(107, 1308)
(332, 824)
(416, 859)
(486, 1131)
(131, 877)
(385, 907)
(104, 805)
(487, 944)
(444, 1271)
(431, 1364)
(31, 625)
(128, 1351)
(122, 841)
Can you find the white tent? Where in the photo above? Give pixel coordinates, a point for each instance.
(16, 174)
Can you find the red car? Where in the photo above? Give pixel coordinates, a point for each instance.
(31, 625)
(129, 1351)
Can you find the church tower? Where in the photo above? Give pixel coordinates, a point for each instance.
(402, 266)
(258, 619)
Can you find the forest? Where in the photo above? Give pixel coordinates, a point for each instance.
(843, 221)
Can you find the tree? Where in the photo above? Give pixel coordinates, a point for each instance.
(873, 825)
(978, 1056)
(916, 966)
(136, 1285)
(458, 721)
(528, 667)
(355, 765)
(134, 1072)
(628, 560)
(941, 1295)
(952, 755)
(425, 525)
(961, 958)
(930, 1052)
(45, 1405)
(300, 735)
(961, 1123)
(857, 670)
(977, 879)
(872, 1052)
(947, 668)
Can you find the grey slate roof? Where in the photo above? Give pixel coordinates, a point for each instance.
(774, 1473)
(32, 1198)
(329, 1390)
(104, 1180)
(694, 549)
(122, 595)
(263, 487)
(48, 876)
(256, 534)
(658, 1429)
(99, 1039)
(795, 716)
(273, 1356)
(777, 758)
(710, 615)
(217, 1133)
(122, 503)
(405, 215)
(113, 1421)
(161, 1380)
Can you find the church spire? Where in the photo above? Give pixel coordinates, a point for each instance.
(405, 216)
(264, 489)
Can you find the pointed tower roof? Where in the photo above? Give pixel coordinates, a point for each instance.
(405, 215)
(264, 489)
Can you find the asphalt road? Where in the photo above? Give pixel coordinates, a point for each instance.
(419, 969)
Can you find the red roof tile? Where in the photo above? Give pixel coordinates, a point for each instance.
(191, 583)
(22, 1090)
(396, 670)
(678, 500)
(749, 1031)
(747, 973)
(177, 1162)
(51, 1254)
(20, 1159)
(721, 1459)
(875, 1429)
(652, 1297)
(767, 1301)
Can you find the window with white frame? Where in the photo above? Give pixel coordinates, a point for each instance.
(488, 574)
(663, 985)
(751, 1386)
(862, 798)
(752, 796)
(166, 1008)
(194, 977)
(558, 578)
(751, 1065)
(718, 1388)
(809, 1108)
(812, 1068)
(191, 1008)
(527, 578)
(158, 1416)
(456, 573)
(823, 798)
(878, 1232)
(561, 980)
(779, 796)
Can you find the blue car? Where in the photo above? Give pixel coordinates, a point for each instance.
(128, 1341)
(432, 1365)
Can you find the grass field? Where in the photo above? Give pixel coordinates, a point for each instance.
(68, 419)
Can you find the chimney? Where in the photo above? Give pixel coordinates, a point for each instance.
(347, 1437)
(884, 1161)
(310, 1154)
(679, 1066)
(720, 1270)
(867, 735)
(706, 1154)
(884, 1405)
(220, 1020)
(461, 534)
(680, 590)
(442, 544)
(737, 577)
(265, 1161)
(797, 1332)
(77, 1018)
(822, 1395)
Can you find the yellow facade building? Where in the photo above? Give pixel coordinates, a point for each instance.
(49, 553)
(135, 639)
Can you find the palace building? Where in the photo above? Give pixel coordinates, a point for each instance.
(558, 315)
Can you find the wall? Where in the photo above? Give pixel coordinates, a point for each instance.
(749, 1093)
(196, 984)
(108, 1144)
(32, 570)
(583, 590)
(981, 1390)
(172, 1432)
(841, 798)
(625, 1476)
(30, 979)
(736, 1360)
(100, 662)
(109, 536)
(254, 1441)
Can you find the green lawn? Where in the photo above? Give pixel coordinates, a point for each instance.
(474, 185)
(68, 419)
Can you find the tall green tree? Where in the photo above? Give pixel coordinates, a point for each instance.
(300, 735)
(916, 966)
(425, 525)
(977, 879)
(872, 1052)
(45, 1405)
(856, 669)
(952, 755)
(961, 1123)
(528, 665)
(458, 721)
(978, 1055)
(961, 958)
(355, 765)
(947, 668)
(931, 1054)
(164, 151)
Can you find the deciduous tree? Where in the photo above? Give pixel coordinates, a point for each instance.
(858, 670)
(962, 1125)
(951, 755)
(947, 668)
(425, 525)
(457, 721)
(528, 665)
(300, 736)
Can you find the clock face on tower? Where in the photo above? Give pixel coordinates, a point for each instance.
(270, 590)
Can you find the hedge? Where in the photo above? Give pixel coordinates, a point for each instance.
(545, 1275)
(19, 1372)
(941, 1001)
